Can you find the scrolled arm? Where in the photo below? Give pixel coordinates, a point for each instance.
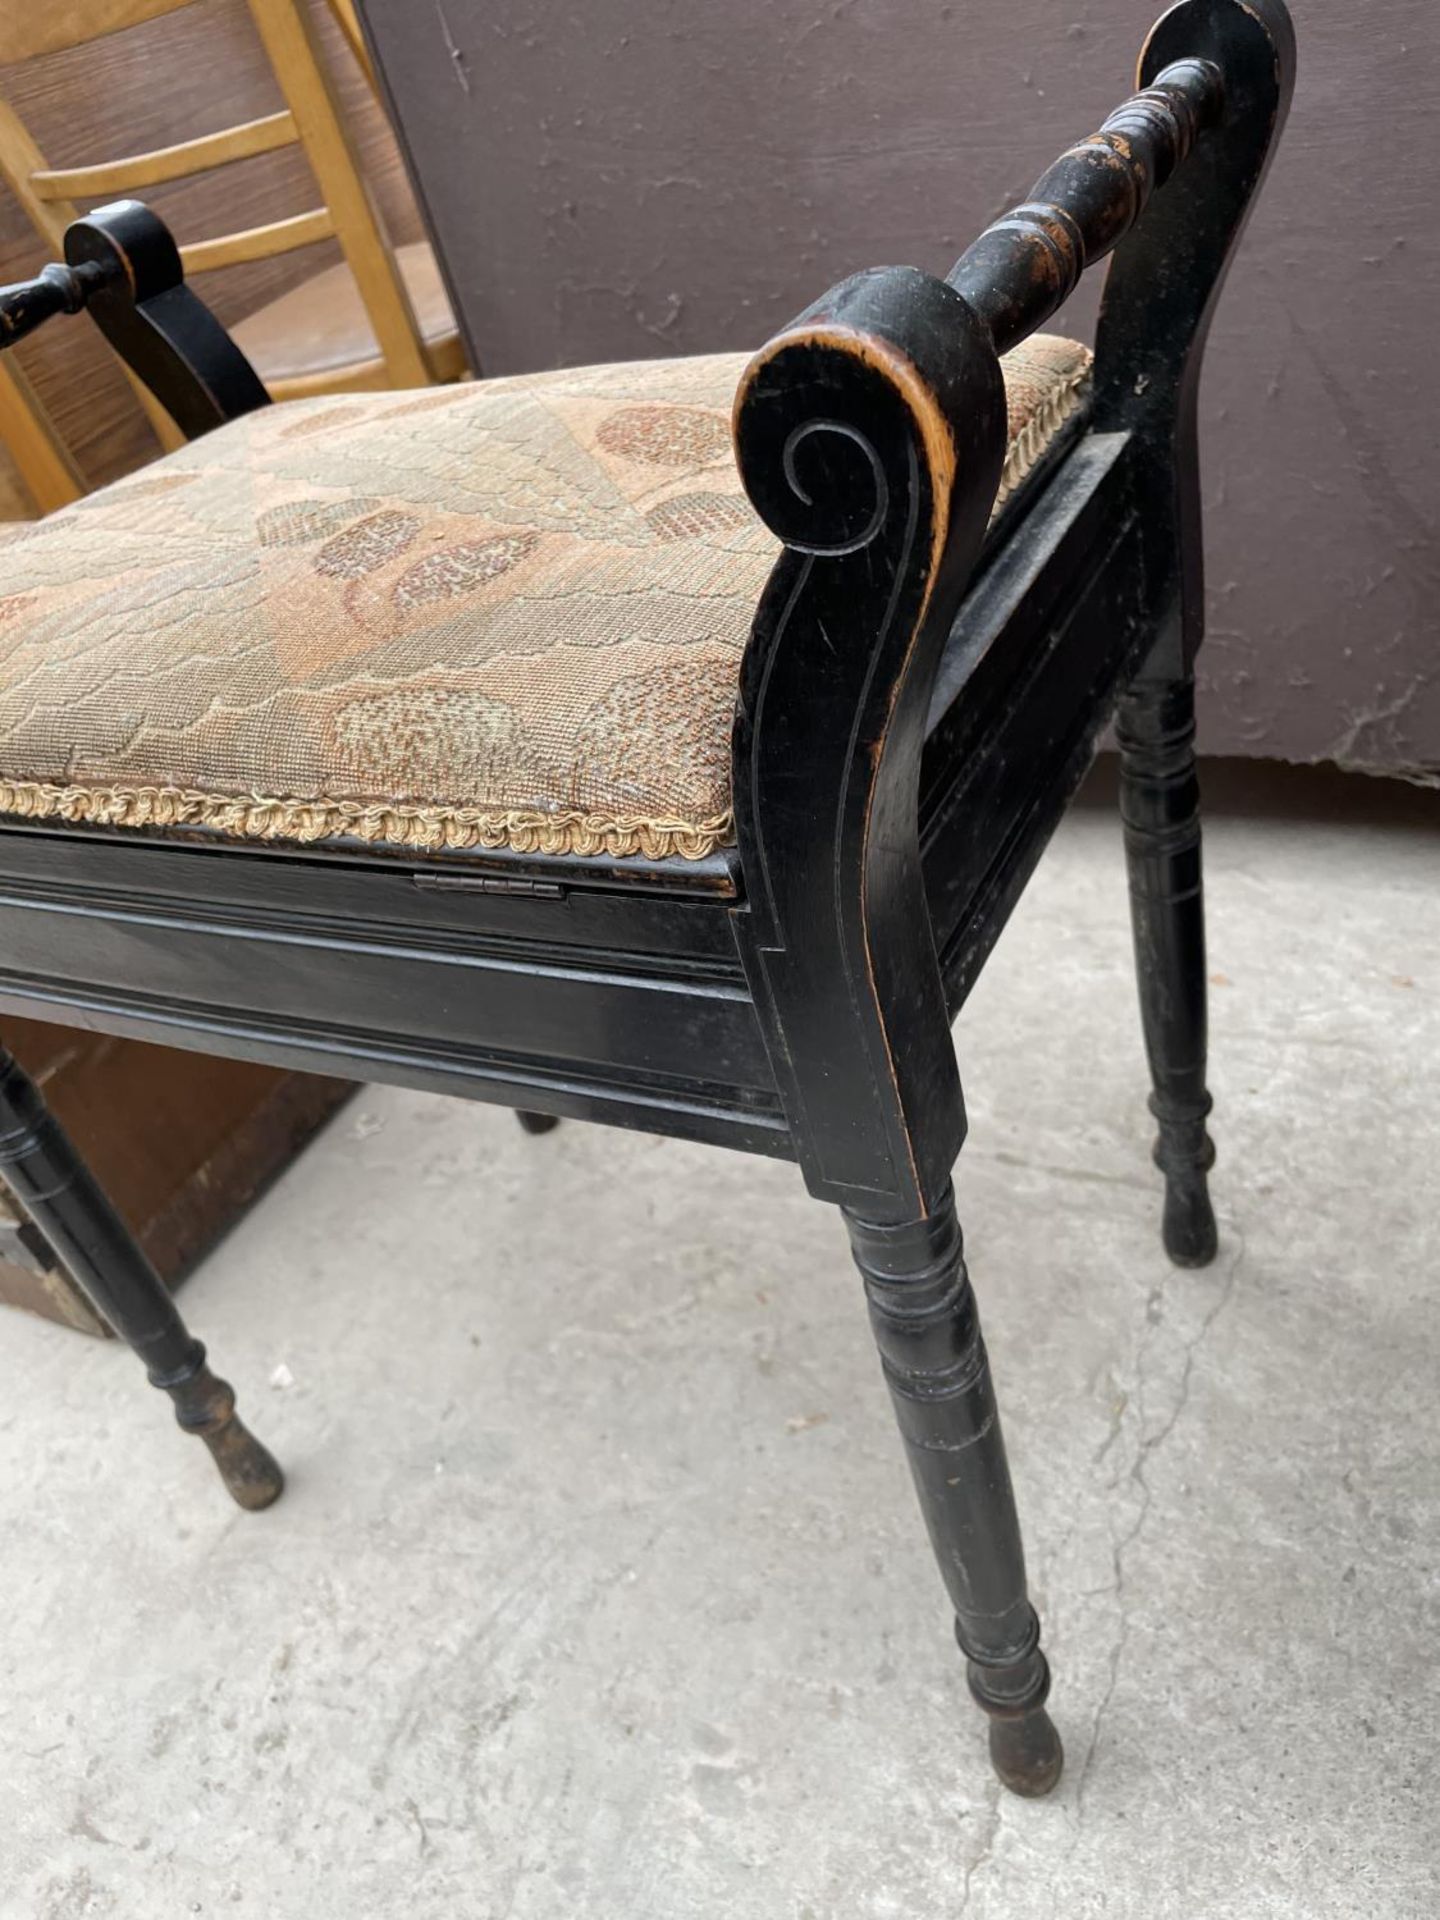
(122, 267)
(877, 413)
(870, 436)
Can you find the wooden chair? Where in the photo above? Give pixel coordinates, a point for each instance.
(378, 319)
(493, 742)
(27, 433)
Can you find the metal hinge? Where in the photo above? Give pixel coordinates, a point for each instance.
(489, 883)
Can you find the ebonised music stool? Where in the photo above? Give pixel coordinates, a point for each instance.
(506, 740)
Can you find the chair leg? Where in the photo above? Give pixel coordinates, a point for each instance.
(1160, 807)
(928, 1332)
(60, 1194)
(537, 1122)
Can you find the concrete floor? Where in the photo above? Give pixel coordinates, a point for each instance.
(598, 1589)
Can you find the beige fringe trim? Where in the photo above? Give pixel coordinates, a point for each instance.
(433, 829)
(258, 817)
(1034, 438)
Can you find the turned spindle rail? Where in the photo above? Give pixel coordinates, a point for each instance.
(55, 289)
(1026, 265)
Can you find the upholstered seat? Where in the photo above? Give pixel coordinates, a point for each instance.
(506, 614)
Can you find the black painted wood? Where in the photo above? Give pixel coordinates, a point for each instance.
(918, 702)
(122, 266)
(871, 437)
(927, 1329)
(1023, 691)
(1163, 286)
(1160, 807)
(56, 289)
(1159, 300)
(155, 323)
(1026, 265)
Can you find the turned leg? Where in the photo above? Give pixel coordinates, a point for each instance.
(1160, 807)
(59, 1193)
(928, 1331)
(537, 1122)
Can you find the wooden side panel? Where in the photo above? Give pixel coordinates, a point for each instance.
(1024, 688)
(356, 969)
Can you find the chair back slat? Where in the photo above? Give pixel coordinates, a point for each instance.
(27, 31)
(20, 162)
(42, 459)
(258, 243)
(167, 163)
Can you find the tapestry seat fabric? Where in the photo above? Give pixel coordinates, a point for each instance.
(505, 614)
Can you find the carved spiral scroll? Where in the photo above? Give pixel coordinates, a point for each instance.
(1028, 263)
(836, 541)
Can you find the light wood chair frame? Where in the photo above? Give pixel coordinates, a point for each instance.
(311, 119)
(27, 433)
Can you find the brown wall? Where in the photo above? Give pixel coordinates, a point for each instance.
(618, 179)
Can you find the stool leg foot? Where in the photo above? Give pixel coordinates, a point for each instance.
(205, 1405)
(1025, 1748)
(1188, 1224)
(537, 1122)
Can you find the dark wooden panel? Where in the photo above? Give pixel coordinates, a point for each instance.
(986, 840)
(1024, 689)
(516, 1006)
(616, 1005)
(368, 895)
(707, 1113)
